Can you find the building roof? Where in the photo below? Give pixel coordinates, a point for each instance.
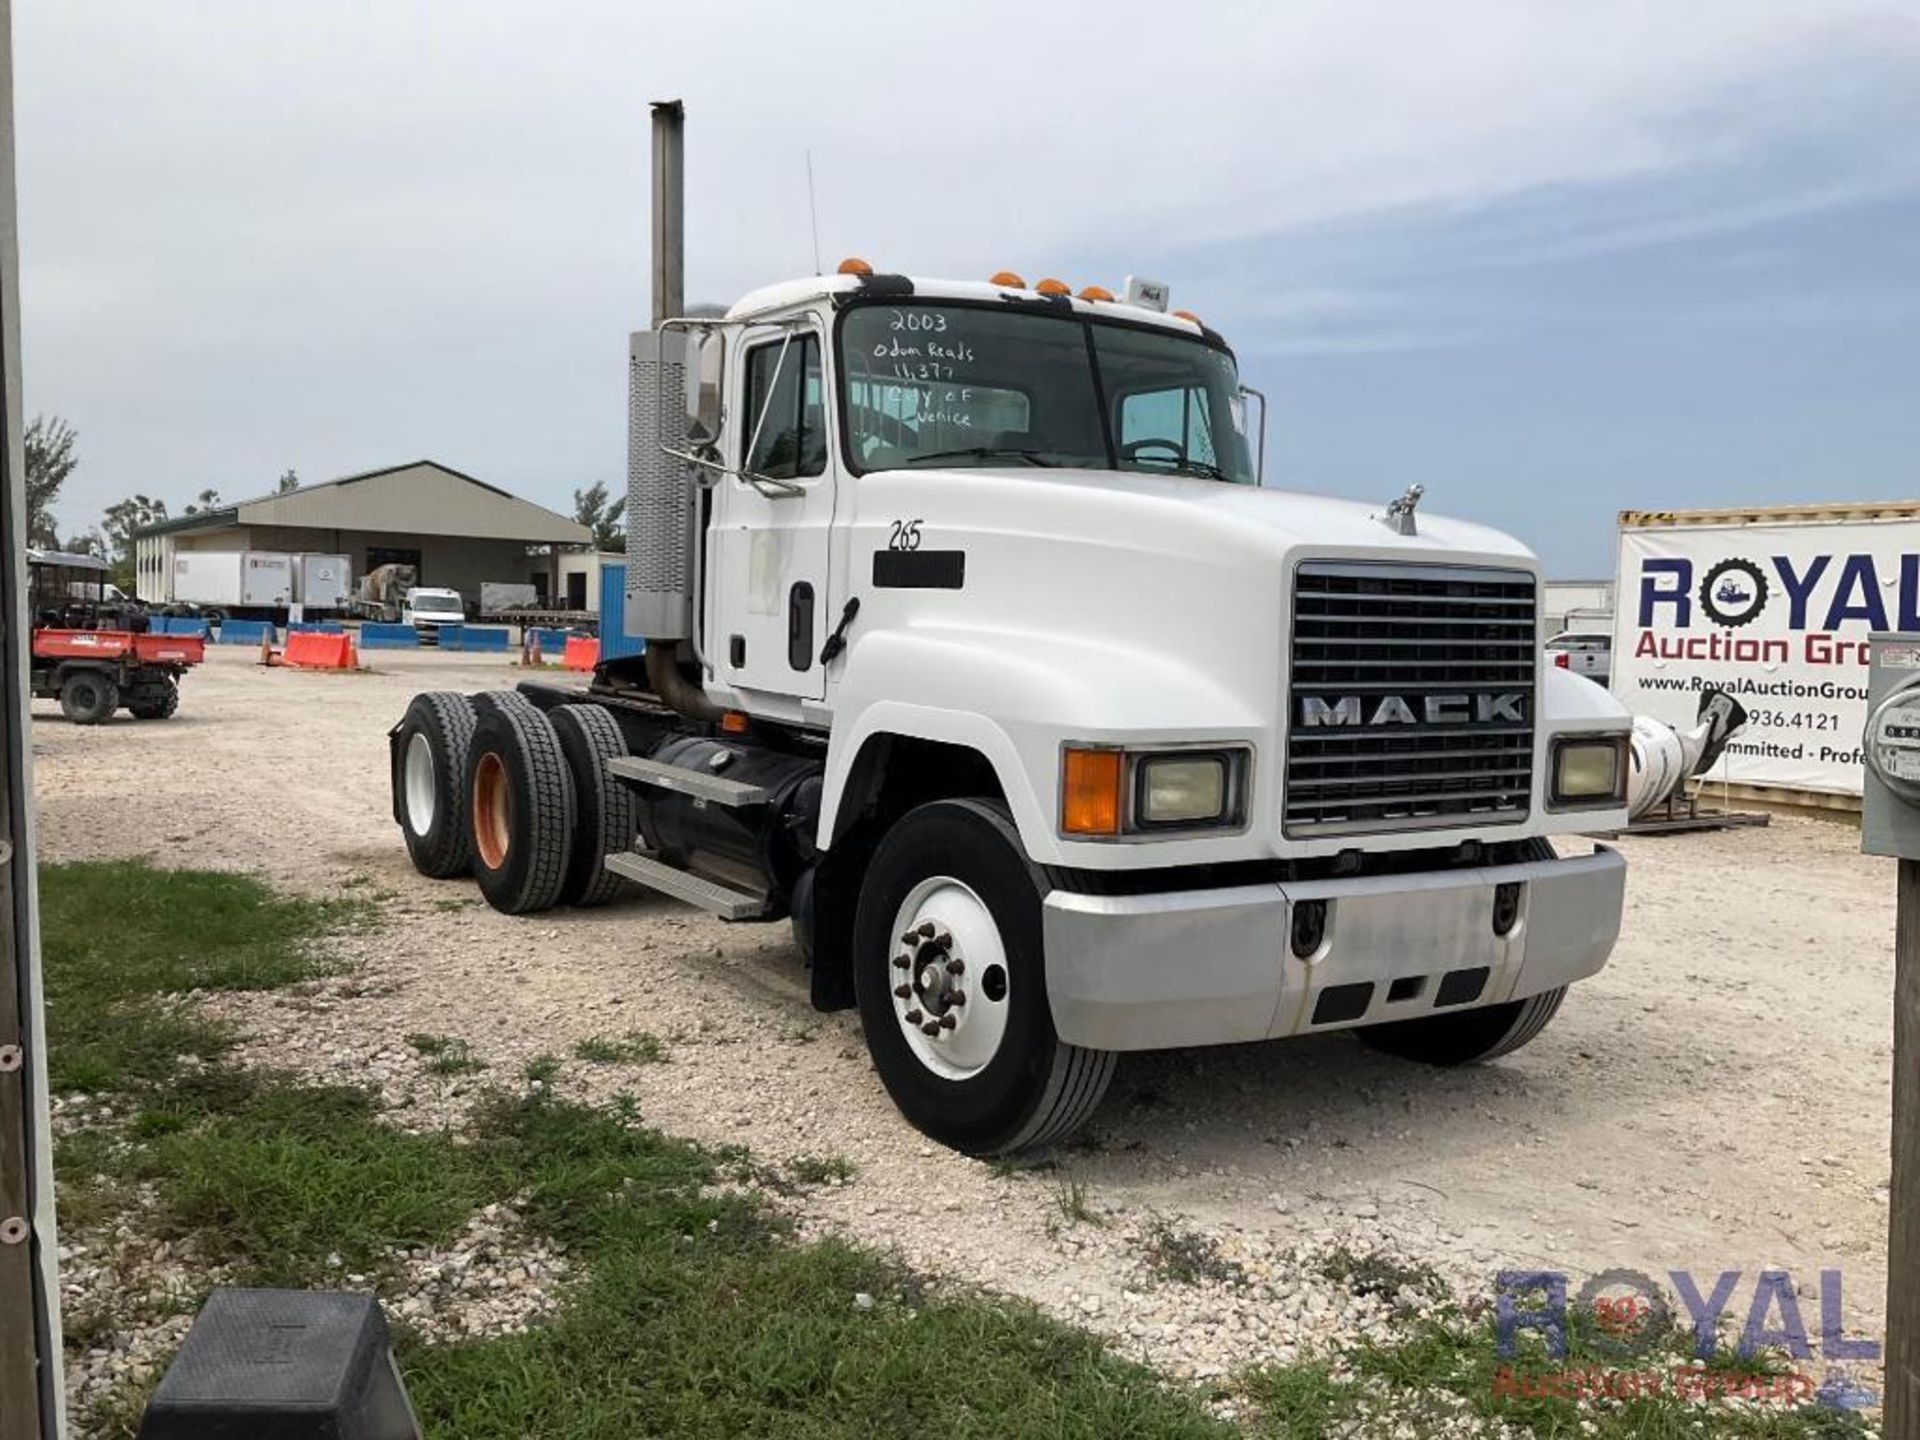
(421, 497)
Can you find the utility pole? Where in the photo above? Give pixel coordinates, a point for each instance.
(29, 1295)
(1890, 825)
(30, 1377)
(1901, 1414)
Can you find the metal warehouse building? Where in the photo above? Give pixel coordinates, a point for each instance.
(455, 530)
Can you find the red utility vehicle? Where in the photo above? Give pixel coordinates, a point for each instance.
(92, 650)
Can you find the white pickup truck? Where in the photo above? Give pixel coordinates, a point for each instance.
(975, 645)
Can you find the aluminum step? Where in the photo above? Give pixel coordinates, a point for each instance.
(710, 895)
(700, 784)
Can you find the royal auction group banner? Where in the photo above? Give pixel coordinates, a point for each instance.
(1777, 614)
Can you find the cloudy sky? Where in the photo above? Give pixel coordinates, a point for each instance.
(1550, 260)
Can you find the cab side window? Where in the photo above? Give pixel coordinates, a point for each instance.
(786, 401)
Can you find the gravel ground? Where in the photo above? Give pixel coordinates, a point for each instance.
(1716, 1099)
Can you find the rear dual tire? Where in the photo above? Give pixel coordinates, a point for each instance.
(522, 806)
(607, 819)
(432, 743)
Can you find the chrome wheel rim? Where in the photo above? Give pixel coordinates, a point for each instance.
(948, 973)
(421, 799)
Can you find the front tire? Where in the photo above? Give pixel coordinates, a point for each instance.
(87, 697)
(949, 913)
(1466, 1037)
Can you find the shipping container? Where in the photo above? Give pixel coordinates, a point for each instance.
(1773, 605)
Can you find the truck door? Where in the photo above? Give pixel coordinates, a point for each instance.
(772, 520)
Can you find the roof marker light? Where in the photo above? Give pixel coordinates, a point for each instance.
(854, 265)
(1054, 287)
(1096, 292)
(1009, 279)
(1186, 315)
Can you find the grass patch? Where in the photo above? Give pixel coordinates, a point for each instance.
(1070, 1198)
(1187, 1257)
(446, 1055)
(1303, 1402)
(295, 1184)
(1380, 1275)
(701, 1319)
(123, 943)
(636, 1047)
(542, 1070)
(692, 1312)
(820, 1169)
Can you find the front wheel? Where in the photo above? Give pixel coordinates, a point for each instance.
(1466, 1037)
(950, 972)
(87, 697)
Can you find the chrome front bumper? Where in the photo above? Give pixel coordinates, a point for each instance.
(1213, 967)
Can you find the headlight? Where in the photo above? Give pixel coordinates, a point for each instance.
(1174, 790)
(1589, 772)
(1108, 794)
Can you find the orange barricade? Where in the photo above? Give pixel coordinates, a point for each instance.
(583, 653)
(318, 650)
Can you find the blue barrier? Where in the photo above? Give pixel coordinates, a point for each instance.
(179, 625)
(317, 627)
(614, 640)
(491, 638)
(553, 643)
(389, 637)
(244, 632)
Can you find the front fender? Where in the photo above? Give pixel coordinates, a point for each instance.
(1015, 698)
(1573, 702)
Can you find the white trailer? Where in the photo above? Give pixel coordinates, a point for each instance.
(932, 575)
(257, 584)
(322, 583)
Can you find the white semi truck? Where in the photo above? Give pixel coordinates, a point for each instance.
(975, 647)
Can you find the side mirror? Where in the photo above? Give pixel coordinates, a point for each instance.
(705, 361)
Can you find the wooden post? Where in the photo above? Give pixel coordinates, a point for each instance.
(1902, 1404)
(29, 1323)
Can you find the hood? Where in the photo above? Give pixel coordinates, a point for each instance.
(1290, 517)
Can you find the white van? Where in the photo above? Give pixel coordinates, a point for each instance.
(427, 610)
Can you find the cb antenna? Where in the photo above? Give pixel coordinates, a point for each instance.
(813, 212)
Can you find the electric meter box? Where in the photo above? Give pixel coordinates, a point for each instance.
(1890, 746)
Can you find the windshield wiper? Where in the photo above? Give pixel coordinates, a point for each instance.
(1205, 469)
(982, 452)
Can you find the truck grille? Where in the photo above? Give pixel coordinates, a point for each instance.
(1410, 698)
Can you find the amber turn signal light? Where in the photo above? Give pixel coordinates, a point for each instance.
(1090, 792)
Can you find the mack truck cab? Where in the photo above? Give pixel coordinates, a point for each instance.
(976, 648)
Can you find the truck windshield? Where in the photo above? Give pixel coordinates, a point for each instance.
(932, 384)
